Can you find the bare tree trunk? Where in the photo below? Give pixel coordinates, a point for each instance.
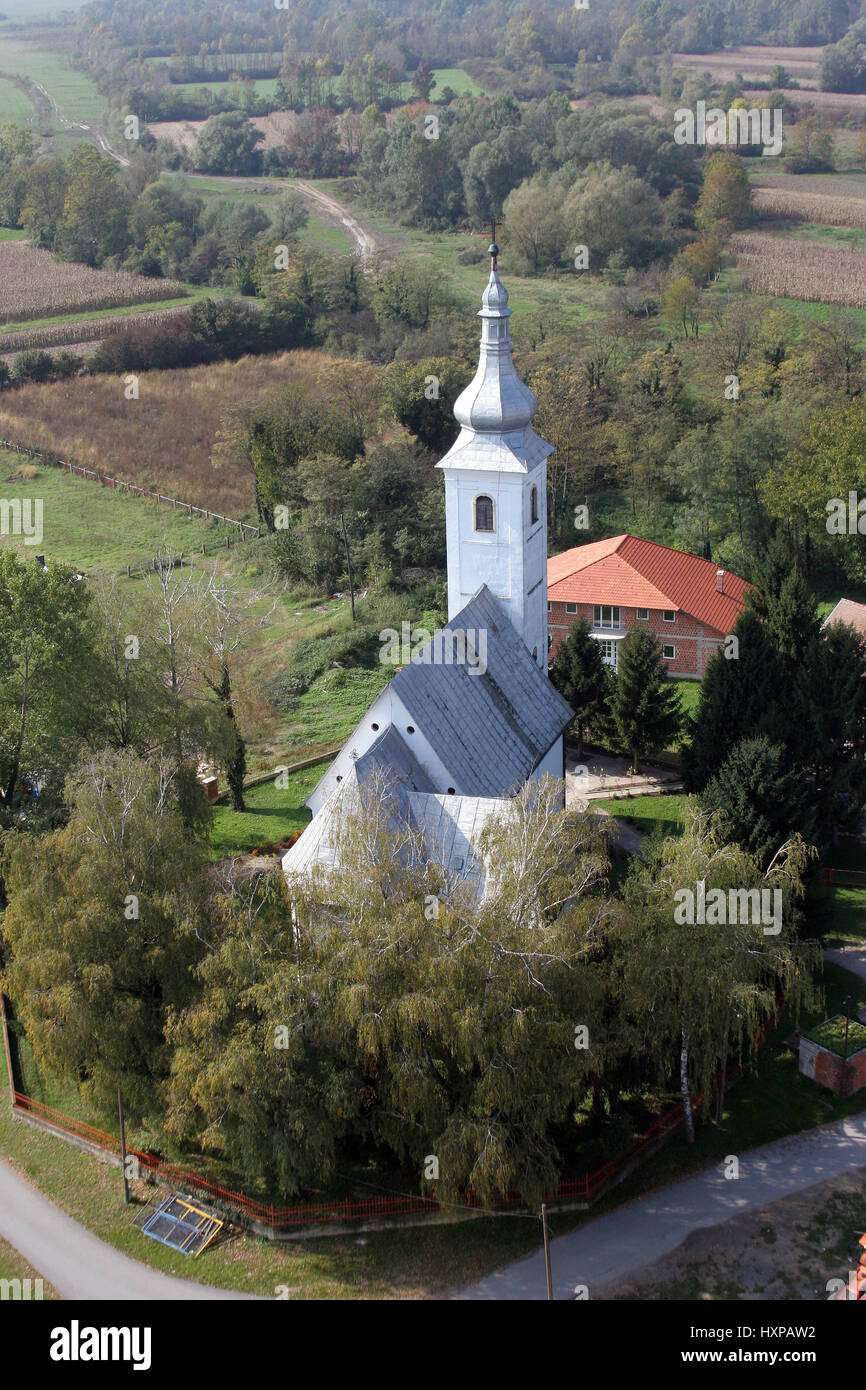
(688, 1114)
(720, 1094)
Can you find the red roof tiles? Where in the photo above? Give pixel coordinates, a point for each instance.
(634, 573)
(849, 612)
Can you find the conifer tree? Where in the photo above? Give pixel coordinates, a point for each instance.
(740, 698)
(646, 708)
(760, 798)
(581, 677)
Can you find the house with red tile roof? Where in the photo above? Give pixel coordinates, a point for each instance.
(689, 603)
(850, 613)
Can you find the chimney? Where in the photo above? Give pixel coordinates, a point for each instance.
(720, 581)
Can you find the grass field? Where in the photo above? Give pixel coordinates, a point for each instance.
(77, 97)
(263, 194)
(15, 104)
(98, 528)
(648, 814)
(458, 80)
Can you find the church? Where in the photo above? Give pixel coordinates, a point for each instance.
(472, 716)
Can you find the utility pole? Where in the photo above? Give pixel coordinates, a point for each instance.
(547, 1252)
(126, 1197)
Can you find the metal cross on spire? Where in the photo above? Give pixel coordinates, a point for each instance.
(494, 249)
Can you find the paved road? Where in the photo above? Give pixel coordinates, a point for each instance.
(77, 1263)
(623, 1241)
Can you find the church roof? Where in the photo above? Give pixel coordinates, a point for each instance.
(496, 409)
(391, 752)
(450, 827)
(490, 728)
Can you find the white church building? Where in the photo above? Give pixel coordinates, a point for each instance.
(472, 716)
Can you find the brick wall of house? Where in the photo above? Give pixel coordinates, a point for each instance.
(695, 643)
(831, 1070)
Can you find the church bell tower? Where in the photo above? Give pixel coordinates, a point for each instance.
(496, 484)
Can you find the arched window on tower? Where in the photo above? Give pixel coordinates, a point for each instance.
(484, 514)
(533, 506)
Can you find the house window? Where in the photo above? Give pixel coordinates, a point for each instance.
(484, 514)
(669, 615)
(533, 506)
(605, 617)
(549, 640)
(549, 606)
(608, 653)
(642, 615)
(669, 651)
(571, 608)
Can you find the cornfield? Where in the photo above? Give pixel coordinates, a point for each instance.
(87, 331)
(34, 285)
(802, 269)
(814, 207)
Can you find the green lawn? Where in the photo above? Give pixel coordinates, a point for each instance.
(271, 813)
(11, 234)
(648, 814)
(98, 528)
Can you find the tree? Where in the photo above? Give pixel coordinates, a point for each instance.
(726, 195)
(581, 676)
(254, 1076)
(739, 699)
(613, 212)
(101, 926)
(423, 80)
(486, 1083)
(700, 984)
(829, 728)
(783, 600)
(95, 210)
(535, 224)
(760, 798)
(47, 655)
(810, 148)
(422, 395)
(226, 144)
(645, 705)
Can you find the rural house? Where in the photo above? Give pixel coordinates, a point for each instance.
(689, 603)
(850, 613)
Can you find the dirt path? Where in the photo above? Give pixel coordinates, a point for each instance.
(366, 242)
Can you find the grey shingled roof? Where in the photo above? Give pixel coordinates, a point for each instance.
(490, 730)
(391, 752)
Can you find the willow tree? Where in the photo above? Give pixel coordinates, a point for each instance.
(464, 1013)
(699, 979)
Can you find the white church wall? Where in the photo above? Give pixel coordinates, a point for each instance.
(361, 738)
(511, 560)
